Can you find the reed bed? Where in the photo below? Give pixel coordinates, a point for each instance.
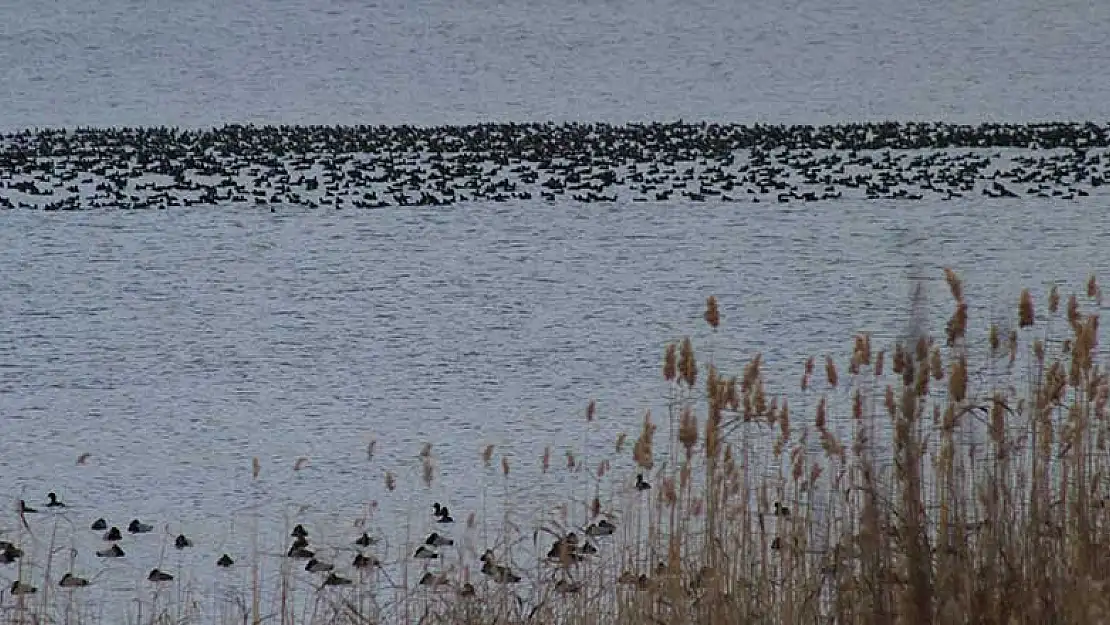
(931, 480)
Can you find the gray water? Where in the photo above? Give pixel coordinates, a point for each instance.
(176, 346)
(196, 62)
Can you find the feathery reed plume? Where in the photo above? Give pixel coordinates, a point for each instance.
(1053, 299)
(1073, 311)
(687, 364)
(370, 450)
(1025, 309)
(487, 456)
(390, 481)
(301, 463)
(1092, 287)
(819, 422)
(591, 408)
(954, 284)
(619, 446)
(688, 430)
(670, 363)
(545, 463)
(993, 339)
(505, 466)
(957, 382)
(256, 468)
(83, 458)
(712, 315)
(879, 361)
(830, 372)
(642, 450)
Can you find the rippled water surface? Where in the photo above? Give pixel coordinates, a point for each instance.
(198, 62)
(176, 346)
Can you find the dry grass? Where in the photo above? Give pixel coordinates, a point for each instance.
(936, 481)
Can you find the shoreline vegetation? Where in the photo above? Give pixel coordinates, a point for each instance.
(931, 480)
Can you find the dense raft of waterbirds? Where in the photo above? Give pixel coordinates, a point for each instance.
(361, 167)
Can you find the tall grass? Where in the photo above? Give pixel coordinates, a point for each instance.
(931, 480)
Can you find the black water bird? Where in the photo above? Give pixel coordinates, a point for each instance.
(113, 534)
(334, 580)
(9, 553)
(316, 566)
(641, 485)
(601, 528)
(436, 540)
(365, 540)
(425, 553)
(137, 527)
(115, 551)
(434, 579)
(442, 514)
(19, 588)
(364, 562)
(299, 531)
(71, 581)
(157, 575)
(225, 561)
(53, 501)
(182, 542)
(99, 525)
(300, 552)
(25, 509)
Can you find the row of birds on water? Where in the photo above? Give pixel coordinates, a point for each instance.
(376, 167)
(567, 550)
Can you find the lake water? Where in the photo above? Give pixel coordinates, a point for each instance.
(176, 346)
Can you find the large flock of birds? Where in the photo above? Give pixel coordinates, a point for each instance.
(367, 167)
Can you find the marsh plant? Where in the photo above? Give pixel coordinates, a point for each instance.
(930, 480)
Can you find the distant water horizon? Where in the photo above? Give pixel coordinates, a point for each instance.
(202, 63)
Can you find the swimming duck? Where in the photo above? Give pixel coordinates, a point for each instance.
(53, 501)
(19, 588)
(781, 510)
(25, 509)
(601, 528)
(641, 485)
(299, 531)
(334, 580)
(363, 562)
(111, 552)
(113, 534)
(564, 552)
(225, 561)
(424, 553)
(365, 540)
(299, 551)
(99, 524)
(71, 581)
(9, 553)
(441, 513)
(433, 579)
(182, 542)
(467, 590)
(135, 527)
(157, 575)
(316, 566)
(500, 574)
(436, 540)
